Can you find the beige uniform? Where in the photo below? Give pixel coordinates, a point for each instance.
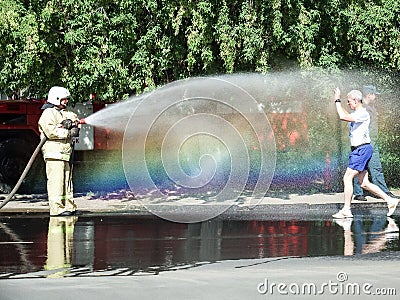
(57, 152)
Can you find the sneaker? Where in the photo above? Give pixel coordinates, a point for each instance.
(392, 204)
(393, 195)
(360, 198)
(342, 214)
(344, 223)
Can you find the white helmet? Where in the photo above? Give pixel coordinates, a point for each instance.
(57, 93)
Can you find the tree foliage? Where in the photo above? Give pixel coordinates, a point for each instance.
(119, 47)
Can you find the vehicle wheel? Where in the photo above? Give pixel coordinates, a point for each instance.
(14, 155)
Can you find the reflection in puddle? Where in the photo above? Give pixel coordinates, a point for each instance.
(361, 239)
(110, 246)
(60, 239)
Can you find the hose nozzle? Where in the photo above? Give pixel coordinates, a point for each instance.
(82, 121)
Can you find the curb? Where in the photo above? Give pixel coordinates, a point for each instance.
(284, 211)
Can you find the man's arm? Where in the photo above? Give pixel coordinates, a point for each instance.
(50, 127)
(343, 114)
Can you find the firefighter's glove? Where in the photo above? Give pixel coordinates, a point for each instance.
(68, 124)
(74, 132)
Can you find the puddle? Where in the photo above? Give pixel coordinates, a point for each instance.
(123, 245)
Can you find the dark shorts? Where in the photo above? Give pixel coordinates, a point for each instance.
(359, 158)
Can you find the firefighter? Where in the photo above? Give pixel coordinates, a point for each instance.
(59, 127)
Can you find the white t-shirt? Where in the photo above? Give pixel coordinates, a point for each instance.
(359, 130)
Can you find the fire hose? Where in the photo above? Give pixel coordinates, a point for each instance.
(24, 173)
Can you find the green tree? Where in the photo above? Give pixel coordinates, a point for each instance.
(20, 46)
(115, 48)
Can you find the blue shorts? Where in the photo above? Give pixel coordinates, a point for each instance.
(359, 158)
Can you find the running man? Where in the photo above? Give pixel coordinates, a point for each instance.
(361, 152)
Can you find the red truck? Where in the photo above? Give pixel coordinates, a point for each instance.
(19, 136)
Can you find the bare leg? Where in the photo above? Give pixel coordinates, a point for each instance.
(348, 185)
(368, 185)
(348, 177)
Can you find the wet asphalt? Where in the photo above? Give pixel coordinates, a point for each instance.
(371, 277)
(370, 272)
